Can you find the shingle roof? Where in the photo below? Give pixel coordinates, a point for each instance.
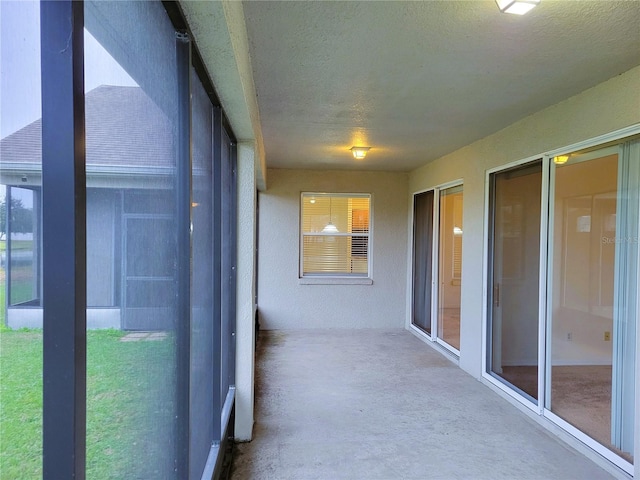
(124, 127)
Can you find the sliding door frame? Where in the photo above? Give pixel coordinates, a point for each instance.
(427, 336)
(487, 298)
(598, 142)
(435, 264)
(545, 293)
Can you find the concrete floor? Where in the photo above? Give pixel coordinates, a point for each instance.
(382, 405)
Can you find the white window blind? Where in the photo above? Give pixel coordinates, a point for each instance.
(335, 234)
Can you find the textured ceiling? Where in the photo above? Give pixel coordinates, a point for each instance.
(417, 80)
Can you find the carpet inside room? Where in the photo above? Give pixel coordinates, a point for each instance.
(580, 394)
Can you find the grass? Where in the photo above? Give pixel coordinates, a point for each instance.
(17, 245)
(20, 405)
(130, 408)
(2, 304)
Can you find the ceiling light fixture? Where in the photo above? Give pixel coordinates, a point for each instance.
(330, 227)
(518, 7)
(359, 152)
(561, 159)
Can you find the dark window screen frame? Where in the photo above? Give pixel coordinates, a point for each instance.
(64, 257)
(422, 276)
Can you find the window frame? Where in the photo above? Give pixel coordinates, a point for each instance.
(435, 255)
(335, 278)
(36, 299)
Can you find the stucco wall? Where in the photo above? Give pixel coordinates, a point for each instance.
(245, 297)
(284, 302)
(610, 106)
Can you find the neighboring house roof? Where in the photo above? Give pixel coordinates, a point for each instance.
(124, 129)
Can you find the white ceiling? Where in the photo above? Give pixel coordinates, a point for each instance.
(417, 80)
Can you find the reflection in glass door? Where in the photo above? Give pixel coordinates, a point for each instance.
(514, 266)
(593, 289)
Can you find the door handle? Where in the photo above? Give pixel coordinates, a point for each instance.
(496, 294)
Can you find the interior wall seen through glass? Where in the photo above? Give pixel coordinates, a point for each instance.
(450, 265)
(335, 234)
(594, 295)
(514, 266)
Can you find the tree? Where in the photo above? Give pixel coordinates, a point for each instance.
(21, 217)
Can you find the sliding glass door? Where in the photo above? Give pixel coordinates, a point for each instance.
(449, 265)
(422, 260)
(563, 261)
(514, 212)
(437, 265)
(593, 290)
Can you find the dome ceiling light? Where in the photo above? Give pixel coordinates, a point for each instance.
(359, 152)
(518, 7)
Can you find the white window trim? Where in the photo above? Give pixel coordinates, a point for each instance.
(343, 278)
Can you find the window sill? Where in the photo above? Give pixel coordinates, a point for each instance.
(335, 281)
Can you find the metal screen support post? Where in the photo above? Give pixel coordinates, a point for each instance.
(183, 213)
(217, 272)
(64, 239)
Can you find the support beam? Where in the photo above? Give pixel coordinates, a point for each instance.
(183, 221)
(246, 292)
(64, 234)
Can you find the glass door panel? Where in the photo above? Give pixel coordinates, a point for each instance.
(450, 265)
(514, 271)
(422, 260)
(594, 294)
(23, 245)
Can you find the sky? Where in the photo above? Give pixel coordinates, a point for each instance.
(20, 65)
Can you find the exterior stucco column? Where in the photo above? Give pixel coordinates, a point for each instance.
(245, 336)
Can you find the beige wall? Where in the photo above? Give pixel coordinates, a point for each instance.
(284, 302)
(610, 106)
(245, 297)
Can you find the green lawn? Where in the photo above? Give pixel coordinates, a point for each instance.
(2, 304)
(130, 406)
(22, 285)
(22, 275)
(17, 245)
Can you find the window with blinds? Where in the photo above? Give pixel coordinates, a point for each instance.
(335, 232)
